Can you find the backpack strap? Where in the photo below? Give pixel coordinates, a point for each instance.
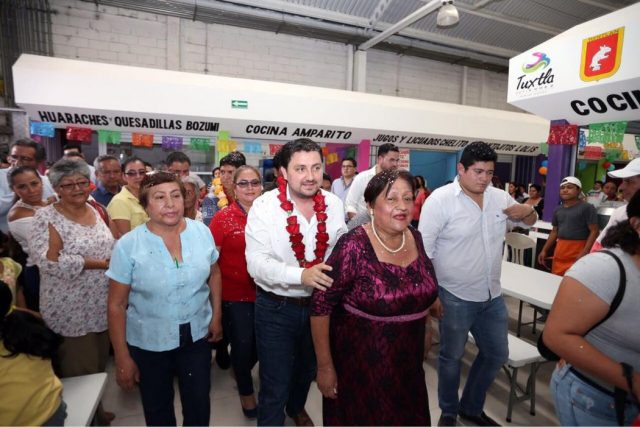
(617, 299)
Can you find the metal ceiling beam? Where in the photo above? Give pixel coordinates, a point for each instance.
(381, 7)
(402, 24)
(285, 7)
(506, 19)
(600, 4)
(213, 11)
(500, 17)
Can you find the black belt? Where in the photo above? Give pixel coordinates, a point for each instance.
(299, 301)
(591, 382)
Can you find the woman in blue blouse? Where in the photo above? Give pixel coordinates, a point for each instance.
(160, 305)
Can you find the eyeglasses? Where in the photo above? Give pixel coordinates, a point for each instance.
(80, 184)
(21, 158)
(252, 183)
(140, 172)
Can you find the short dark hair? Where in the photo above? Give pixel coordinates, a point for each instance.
(477, 151)
(235, 159)
(384, 180)
(277, 159)
(623, 235)
(352, 160)
(326, 177)
(72, 146)
(177, 156)
(385, 148)
(130, 160)
(103, 158)
(295, 146)
(19, 171)
(420, 178)
(24, 333)
(152, 179)
(537, 187)
(41, 154)
(597, 181)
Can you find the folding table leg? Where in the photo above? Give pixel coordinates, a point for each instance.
(512, 392)
(519, 319)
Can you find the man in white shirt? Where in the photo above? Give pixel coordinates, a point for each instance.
(340, 187)
(355, 206)
(290, 232)
(23, 152)
(463, 226)
(630, 176)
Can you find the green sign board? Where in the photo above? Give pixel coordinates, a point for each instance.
(238, 103)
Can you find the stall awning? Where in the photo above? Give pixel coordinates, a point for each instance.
(588, 74)
(133, 99)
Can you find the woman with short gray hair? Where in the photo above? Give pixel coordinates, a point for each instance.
(71, 246)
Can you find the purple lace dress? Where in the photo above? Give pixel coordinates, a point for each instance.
(377, 334)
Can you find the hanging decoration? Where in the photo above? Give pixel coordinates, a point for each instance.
(350, 152)
(582, 140)
(252, 147)
(563, 135)
(274, 148)
(142, 140)
(226, 147)
(544, 148)
(592, 152)
(172, 142)
(218, 191)
(223, 135)
(544, 163)
(42, 129)
(332, 158)
(75, 133)
(199, 144)
(542, 170)
(605, 133)
(638, 142)
(113, 137)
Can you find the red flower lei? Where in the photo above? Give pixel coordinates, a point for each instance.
(293, 228)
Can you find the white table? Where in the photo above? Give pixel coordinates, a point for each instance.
(529, 285)
(82, 395)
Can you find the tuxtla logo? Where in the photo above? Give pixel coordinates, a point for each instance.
(531, 80)
(601, 55)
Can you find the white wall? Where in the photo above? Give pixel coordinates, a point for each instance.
(82, 30)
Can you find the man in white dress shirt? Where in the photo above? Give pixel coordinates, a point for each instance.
(23, 152)
(463, 226)
(278, 222)
(356, 208)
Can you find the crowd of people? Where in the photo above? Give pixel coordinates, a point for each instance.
(312, 280)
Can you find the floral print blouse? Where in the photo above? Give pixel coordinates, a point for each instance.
(73, 301)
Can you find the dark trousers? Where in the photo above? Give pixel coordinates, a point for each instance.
(30, 283)
(287, 359)
(191, 362)
(239, 327)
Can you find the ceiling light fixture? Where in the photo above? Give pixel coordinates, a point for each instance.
(447, 14)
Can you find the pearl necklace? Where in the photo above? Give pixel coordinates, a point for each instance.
(393, 251)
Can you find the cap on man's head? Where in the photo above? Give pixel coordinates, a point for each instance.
(571, 180)
(632, 169)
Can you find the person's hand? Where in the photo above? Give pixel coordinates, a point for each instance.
(542, 259)
(518, 212)
(436, 309)
(51, 199)
(215, 330)
(327, 381)
(127, 374)
(315, 277)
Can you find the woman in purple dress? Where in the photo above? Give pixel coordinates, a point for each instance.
(368, 328)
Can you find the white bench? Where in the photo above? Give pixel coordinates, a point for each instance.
(521, 354)
(82, 395)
